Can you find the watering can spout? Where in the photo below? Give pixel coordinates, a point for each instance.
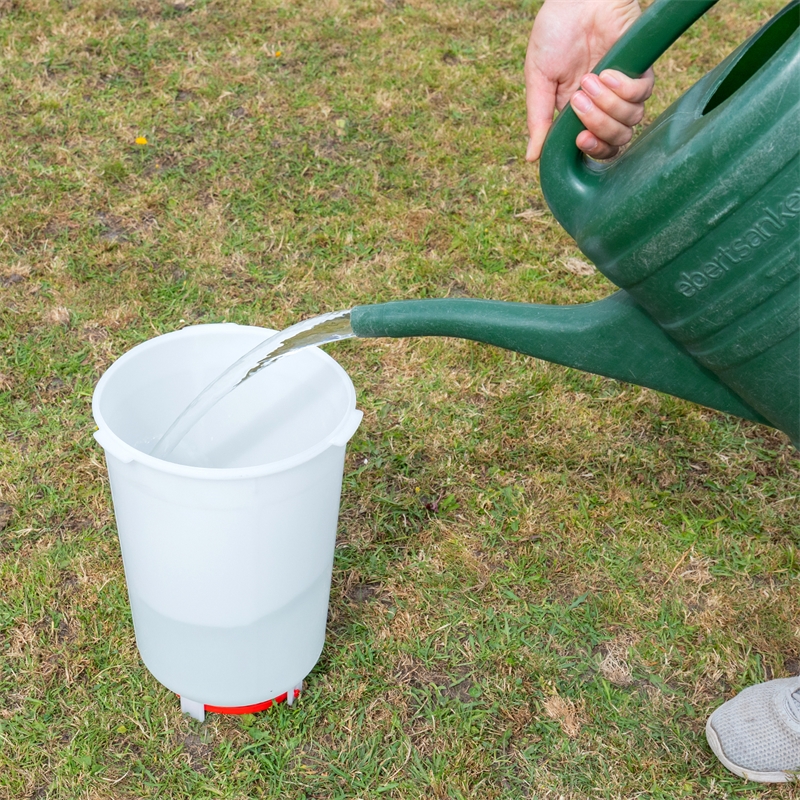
(696, 222)
(613, 337)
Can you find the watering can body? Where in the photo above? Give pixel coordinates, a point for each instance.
(698, 222)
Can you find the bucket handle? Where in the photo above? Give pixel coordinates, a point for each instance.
(114, 446)
(341, 436)
(570, 180)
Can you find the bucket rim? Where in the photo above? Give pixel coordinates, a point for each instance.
(116, 446)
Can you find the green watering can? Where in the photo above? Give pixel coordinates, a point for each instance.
(697, 222)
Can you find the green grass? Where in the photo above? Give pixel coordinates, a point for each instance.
(544, 580)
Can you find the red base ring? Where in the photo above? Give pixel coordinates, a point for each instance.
(251, 709)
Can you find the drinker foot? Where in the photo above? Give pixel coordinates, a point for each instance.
(198, 710)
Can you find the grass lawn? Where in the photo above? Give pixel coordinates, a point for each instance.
(544, 580)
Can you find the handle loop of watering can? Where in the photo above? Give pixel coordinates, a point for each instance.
(568, 178)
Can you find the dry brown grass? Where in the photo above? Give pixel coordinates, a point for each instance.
(544, 580)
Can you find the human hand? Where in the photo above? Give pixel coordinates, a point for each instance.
(568, 38)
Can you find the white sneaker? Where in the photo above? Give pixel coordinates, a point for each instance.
(756, 734)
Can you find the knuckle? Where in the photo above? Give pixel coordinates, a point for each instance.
(604, 151)
(633, 94)
(609, 103)
(643, 91)
(621, 137)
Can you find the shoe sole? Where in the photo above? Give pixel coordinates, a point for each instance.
(747, 774)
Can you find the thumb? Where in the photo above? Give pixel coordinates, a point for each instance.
(540, 99)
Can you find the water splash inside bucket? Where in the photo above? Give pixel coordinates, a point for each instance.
(323, 329)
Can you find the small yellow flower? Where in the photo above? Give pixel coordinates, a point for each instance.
(278, 53)
(141, 140)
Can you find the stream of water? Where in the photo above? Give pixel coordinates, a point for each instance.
(325, 328)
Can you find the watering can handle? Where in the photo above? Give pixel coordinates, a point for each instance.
(568, 178)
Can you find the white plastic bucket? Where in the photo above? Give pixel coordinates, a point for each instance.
(227, 555)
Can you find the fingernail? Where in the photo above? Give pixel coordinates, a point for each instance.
(592, 85)
(590, 144)
(610, 79)
(582, 102)
(529, 151)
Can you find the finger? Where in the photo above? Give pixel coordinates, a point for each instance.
(627, 113)
(634, 90)
(594, 147)
(540, 99)
(598, 122)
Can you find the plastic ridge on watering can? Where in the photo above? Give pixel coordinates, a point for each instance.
(697, 222)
